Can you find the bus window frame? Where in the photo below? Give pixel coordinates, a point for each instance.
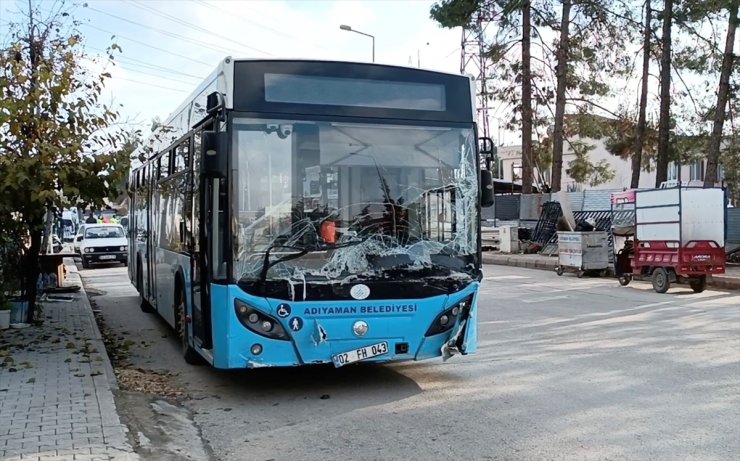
(186, 142)
(231, 210)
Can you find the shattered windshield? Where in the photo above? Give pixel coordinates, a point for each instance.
(322, 201)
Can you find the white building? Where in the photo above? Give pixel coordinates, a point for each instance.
(510, 169)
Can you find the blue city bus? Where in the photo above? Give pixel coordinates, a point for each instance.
(297, 212)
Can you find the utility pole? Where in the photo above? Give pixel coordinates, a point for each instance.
(473, 60)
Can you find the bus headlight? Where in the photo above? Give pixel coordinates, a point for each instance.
(258, 322)
(447, 319)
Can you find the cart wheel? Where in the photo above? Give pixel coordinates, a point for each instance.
(579, 274)
(661, 282)
(559, 270)
(624, 280)
(698, 284)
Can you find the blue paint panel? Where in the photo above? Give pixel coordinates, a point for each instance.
(233, 342)
(471, 330)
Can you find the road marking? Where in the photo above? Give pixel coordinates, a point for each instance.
(547, 298)
(643, 306)
(505, 277)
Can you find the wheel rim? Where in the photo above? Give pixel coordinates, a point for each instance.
(660, 279)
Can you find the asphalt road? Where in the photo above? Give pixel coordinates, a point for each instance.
(567, 369)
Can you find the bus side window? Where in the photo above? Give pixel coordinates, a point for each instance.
(194, 199)
(182, 156)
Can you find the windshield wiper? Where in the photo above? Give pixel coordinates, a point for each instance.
(302, 251)
(425, 270)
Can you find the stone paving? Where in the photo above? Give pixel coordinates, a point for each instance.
(56, 388)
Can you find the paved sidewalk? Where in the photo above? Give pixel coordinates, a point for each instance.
(728, 281)
(56, 388)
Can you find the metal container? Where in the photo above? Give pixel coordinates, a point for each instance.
(583, 251)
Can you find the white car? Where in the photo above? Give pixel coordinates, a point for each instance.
(102, 243)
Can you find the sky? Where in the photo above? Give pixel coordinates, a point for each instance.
(169, 46)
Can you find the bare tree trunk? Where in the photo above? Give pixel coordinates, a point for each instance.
(32, 269)
(561, 73)
(641, 122)
(527, 163)
(48, 223)
(661, 171)
(715, 141)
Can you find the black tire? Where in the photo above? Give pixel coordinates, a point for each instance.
(145, 306)
(559, 270)
(624, 280)
(190, 355)
(579, 274)
(698, 284)
(85, 264)
(661, 280)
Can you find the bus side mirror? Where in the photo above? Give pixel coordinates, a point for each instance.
(487, 151)
(214, 154)
(486, 188)
(485, 146)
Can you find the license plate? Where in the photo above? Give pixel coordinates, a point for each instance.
(362, 353)
(104, 257)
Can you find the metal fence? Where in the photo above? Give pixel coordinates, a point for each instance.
(733, 226)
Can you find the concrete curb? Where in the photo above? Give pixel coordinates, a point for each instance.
(73, 277)
(549, 264)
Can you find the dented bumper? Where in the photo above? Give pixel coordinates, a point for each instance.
(319, 331)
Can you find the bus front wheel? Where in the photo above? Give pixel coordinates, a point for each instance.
(191, 355)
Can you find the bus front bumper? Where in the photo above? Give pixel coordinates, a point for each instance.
(342, 332)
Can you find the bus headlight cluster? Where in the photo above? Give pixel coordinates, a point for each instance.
(447, 319)
(258, 322)
(88, 250)
(124, 248)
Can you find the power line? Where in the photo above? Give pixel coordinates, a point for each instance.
(258, 24)
(127, 60)
(148, 45)
(162, 31)
(150, 84)
(195, 27)
(139, 71)
(156, 75)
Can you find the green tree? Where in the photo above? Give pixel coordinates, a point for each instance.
(589, 51)
(713, 155)
(53, 128)
(517, 22)
(640, 130)
(119, 171)
(561, 74)
(664, 126)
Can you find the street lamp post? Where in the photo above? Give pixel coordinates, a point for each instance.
(349, 29)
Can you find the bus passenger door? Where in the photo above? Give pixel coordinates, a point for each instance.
(200, 211)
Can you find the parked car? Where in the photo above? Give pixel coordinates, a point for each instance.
(104, 244)
(78, 238)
